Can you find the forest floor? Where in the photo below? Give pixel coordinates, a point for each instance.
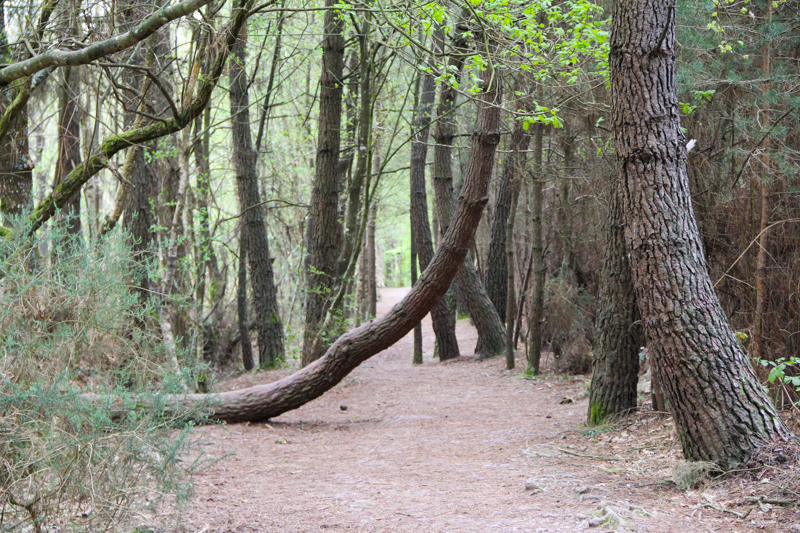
(462, 446)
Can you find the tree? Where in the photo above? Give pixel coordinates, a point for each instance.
(444, 324)
(323, 224)
(268, 320)
(356, 346)
(721, 412)
(615, 363)
(491, 336)
(535, 309)
(496, 260)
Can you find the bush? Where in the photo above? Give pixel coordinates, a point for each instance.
(71, 324)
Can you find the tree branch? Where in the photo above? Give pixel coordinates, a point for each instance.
(114, 144)
(147, 27)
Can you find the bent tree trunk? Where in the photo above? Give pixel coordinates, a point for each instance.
(615, 365)
(721, 412)
(351, 349)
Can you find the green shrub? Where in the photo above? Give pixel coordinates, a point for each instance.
(70, 324)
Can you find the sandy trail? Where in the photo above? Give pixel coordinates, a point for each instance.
(445, 448)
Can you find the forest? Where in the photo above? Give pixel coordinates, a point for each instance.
(213, 213)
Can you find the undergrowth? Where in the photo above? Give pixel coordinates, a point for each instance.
(71, 324)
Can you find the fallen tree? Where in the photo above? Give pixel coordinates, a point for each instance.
(262, 402)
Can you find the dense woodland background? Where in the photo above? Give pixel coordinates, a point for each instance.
(232, 190)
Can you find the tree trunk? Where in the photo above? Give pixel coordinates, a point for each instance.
(354, 347)
(16, 179)
(536, 307)
(363, 149)
(496, 263)
(721, 412)
(491, 335)
(241, 301)
(615, 364)
(69, 144)
(510, 361)
(757, 341)
(268, 320)
(417, 355)
(372, 279)
(323, 245)
(444, 325)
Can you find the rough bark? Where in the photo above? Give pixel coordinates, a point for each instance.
(372, 278)
(496, 262)
(241, 302)
(262, 280)
(417, 355)
(491, 335)
(510, 359)
(323, 245)
(721, 412)
(351, 349)
(615, 364)
(444, 324)
(536, 307)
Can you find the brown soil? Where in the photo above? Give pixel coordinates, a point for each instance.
(463, 446)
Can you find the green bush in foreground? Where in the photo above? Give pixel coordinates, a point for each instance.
(70, 324)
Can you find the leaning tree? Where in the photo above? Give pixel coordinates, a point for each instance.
(354, 347)
(721, 412)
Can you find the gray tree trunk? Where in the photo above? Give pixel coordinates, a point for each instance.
(324, 242)
(615, 364)
(268, 320)
(444, 325)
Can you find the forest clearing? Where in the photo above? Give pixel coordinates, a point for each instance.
(591, 204)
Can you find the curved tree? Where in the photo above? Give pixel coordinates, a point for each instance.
(354, 347)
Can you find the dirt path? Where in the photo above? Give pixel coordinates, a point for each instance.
(458, 447)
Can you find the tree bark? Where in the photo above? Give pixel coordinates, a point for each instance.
(510, 359)
(372, 285)
(444, 325)
(496, 262)
(491, 335)
(721, 412)
(354, 347)
(241, 302)
(536, 307)
(69, 144)
(416, 358)
(323, 245)
(268, 320)
(615, 364)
